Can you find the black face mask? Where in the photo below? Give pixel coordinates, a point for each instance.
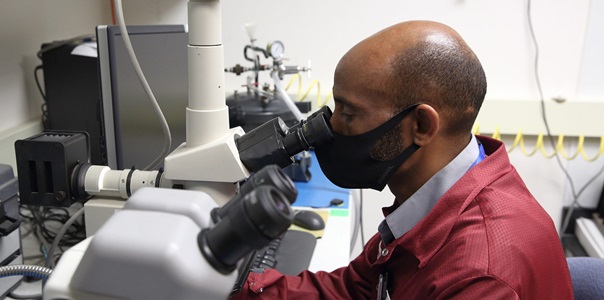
(346, 160)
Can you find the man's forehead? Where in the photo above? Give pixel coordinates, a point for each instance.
(360, 97)
(362, 73)
(344, 101)
(344, 96)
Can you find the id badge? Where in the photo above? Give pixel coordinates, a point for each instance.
(382, 288)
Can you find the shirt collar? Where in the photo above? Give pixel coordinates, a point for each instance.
(416, 207)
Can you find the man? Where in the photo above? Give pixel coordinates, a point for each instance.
(463, 224)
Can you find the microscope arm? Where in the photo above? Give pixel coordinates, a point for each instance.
(272, 143)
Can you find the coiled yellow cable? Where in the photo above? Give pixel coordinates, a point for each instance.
(540, 146)
(312, 85)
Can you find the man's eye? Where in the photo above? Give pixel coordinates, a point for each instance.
(347, 117)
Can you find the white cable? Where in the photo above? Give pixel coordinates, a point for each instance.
(143, 80)
(362, 227)
(292, 106)
(357, 218)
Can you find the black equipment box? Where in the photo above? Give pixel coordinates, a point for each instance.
(73, 96)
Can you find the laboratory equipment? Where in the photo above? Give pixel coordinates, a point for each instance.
(269, 175)
(46, 164)
(11, 252)
(163, 245)
(71, 87)
(260, 102)
(132, 135)
(91, 86)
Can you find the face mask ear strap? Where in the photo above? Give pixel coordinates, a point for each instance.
(397, 162)
(403, 113)
(409, 108)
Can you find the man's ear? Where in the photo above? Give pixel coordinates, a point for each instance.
(427, 124)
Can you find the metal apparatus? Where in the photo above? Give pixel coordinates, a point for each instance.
(262, 102)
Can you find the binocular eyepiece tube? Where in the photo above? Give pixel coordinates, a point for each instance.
(275, 143)
(253, 221)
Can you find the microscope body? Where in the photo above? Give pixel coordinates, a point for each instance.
(148, 250)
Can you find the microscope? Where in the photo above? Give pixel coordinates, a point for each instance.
(183, 229)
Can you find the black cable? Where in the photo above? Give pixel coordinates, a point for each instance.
(38, 68)
(59, 237)
(46, 223)
(44, 106)
(542, 101)
(549, 135)
(257, 70)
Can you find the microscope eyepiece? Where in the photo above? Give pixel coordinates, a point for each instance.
(307, 134)
(261, 216)
(270, 175)
(274, 143)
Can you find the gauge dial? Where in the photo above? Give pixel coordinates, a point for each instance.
(276, 49)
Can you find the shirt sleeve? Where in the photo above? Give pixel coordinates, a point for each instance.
(355, 281)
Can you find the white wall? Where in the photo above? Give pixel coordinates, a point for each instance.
(592, 67)
(323, 31)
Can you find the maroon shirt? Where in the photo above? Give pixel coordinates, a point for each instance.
(486, 238)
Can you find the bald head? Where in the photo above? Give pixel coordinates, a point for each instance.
(419, 61)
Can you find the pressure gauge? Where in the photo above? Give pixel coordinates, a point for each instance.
(276, 49)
